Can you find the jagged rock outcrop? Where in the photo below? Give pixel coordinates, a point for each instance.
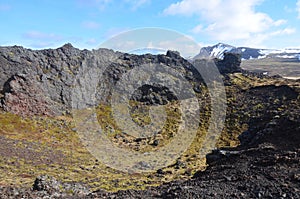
(46, 73)
(49, 73)
(48, 77)
(41, 82)
(230, 63)
(47, 185)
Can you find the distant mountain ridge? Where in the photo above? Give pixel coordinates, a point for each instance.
(218, 50)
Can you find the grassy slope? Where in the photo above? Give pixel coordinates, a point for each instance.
(34, 146)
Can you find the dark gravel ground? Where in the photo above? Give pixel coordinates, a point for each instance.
(267, 169)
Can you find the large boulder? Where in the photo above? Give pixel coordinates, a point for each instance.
(230, 63)
(48, 185)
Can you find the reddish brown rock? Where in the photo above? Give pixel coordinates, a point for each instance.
(24, 96)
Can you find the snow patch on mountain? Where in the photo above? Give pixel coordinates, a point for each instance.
(220, 49)
(217, 51)
(274, 51)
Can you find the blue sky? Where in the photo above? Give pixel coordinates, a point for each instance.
(87, 23)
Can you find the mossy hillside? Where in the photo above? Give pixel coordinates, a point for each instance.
(73, 162)
(190, 161)
(50, 145)
(55, 139)
(183, 167)
(140, 115)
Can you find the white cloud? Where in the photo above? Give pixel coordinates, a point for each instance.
(41, 44)
(280, 22)
(298, 8)
(258, 39)
(135, 4)
(286, 31)
(41, 39)
(99, 4)
(228, 20)
(184, 45)
(112, 32)
(92, 2)
(122, 46)
(102, 4)
(92, 41)
(36, 35)
(90, 25)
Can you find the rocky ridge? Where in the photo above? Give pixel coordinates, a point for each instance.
(41, 82)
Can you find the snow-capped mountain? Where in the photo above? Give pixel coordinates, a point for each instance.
(217, 51)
